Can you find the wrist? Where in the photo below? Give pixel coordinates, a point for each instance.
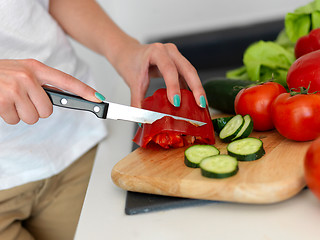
(122, 53)
(118, 48)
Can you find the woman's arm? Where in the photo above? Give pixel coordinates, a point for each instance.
(86, 22)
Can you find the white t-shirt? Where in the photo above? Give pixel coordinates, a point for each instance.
(33, 152)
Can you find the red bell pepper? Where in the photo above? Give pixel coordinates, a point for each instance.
(308, 43)
(169, 132)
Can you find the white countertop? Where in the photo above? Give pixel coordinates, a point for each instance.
(103, 215)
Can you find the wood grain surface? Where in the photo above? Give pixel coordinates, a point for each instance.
(275, 177)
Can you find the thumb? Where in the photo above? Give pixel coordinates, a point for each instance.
(136, 99)
(138, 90)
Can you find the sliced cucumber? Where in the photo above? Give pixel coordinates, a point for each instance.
(219, 123)
(219, 166)
(232, 128)
(194, 154)
(246, 149)
(246, 129)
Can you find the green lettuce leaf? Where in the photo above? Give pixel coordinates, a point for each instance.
(284, 41)
(264, 61)
(302, 20)
(238, 73)
(271, 60)
(268, 54)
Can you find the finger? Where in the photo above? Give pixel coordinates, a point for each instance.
(14, 97)
(41, 101)
(138, 92)
(26, 110)
(9, 113)
(168, 69)
(136, 99)
(189, 73)
(54, 77)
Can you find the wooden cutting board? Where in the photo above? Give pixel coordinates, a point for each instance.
(275, 177)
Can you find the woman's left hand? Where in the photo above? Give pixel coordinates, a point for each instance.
(137, 63)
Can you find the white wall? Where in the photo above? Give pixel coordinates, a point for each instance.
(147, 19)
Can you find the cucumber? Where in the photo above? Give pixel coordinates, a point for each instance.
(194, 154)
(232, 128)
(246, 129)
(219, 166)
(219, 123)
(246, 149)
(221, 92)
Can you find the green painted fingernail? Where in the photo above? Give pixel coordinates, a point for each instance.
(202, 101)
(100, 96)
(176, 100)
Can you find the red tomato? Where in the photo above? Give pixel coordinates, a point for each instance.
(312, 167)
(305, 71)
(297, 117)
(308, 43)
(256, 101)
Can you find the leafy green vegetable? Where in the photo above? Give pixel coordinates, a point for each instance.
(265, 60)
(238, 73)
(302, 20)
(284, 41)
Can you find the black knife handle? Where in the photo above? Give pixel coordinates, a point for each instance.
(66, 100)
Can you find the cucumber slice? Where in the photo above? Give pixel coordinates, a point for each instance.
(219, 123)
(246, 149)
(194, 154)
(232, 128)
(219, 166)
(246, 129)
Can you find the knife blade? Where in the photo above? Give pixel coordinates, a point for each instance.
(109, 110)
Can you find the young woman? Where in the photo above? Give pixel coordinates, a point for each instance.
(45, 156)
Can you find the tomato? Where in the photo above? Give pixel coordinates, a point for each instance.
(256, 101)
(168, 132)
(305, 71)
(312, 167)
(308, 43)
(297, 117)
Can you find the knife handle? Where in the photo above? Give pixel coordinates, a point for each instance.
(67, 100)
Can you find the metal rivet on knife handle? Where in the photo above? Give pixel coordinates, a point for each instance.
(64, 101)
(96, 109)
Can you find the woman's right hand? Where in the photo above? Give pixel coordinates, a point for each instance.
(22, 96)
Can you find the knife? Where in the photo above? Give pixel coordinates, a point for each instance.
(109, 110)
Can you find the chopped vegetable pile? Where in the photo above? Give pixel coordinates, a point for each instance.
(241, 148)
